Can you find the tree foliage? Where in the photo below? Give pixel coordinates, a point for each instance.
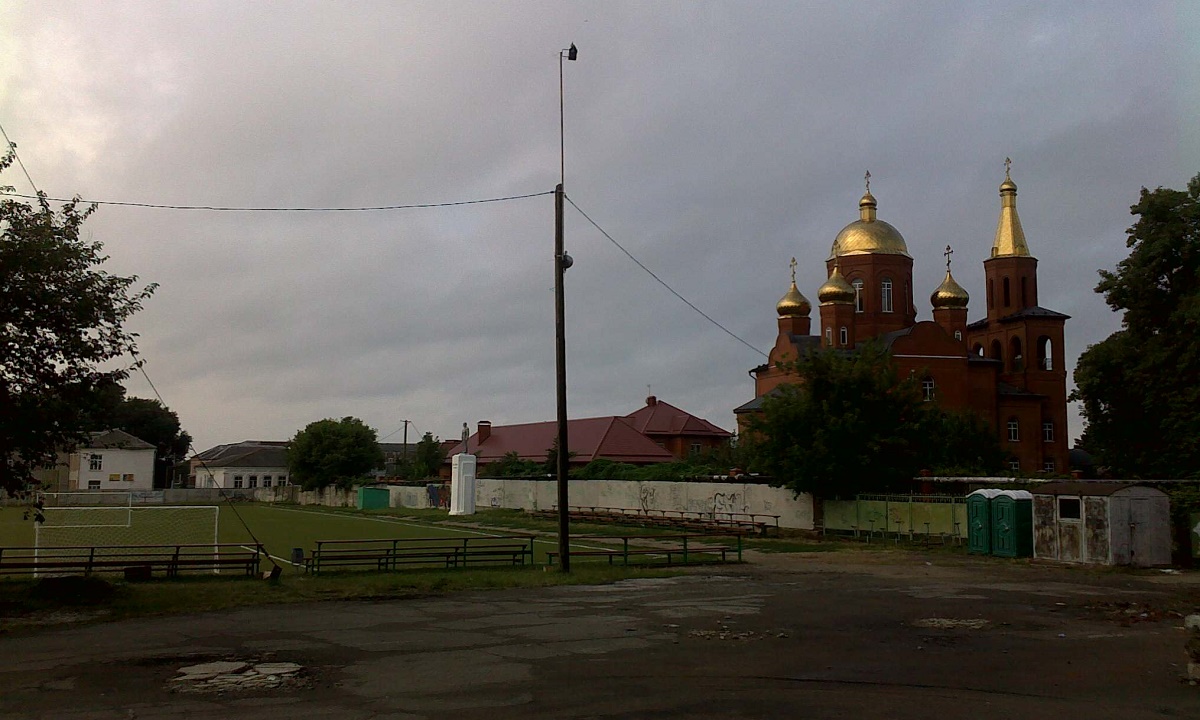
(62, 319)
(1140, 387)
(849, 424)
(145, 419)
(427, 458)
(330, 452)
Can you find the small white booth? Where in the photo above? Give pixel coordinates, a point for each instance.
(462, 484)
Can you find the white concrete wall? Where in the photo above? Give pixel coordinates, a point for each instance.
(793, 511)
(119, 462)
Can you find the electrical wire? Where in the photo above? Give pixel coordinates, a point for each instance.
(12, 147)
(662, 282)
(223, 208)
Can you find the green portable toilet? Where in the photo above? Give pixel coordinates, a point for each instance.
(1012, 524)
(979, 521)
(373, 498)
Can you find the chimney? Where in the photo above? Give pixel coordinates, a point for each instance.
(651, 400)
(485, 431)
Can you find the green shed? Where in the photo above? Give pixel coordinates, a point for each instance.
(1012, 524)
(373, 498)
(979, 521)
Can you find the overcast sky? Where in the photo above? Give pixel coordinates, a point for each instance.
(713, 140)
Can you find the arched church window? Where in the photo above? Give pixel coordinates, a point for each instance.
(1045, 353)
(997, 352)
(977, 350)
(1007, 300)
(828, 337)
(1024, 296)
(844, 336)
(858, 295)
(885, 295)
(958, 335)
(1018, 361)
(991, 295)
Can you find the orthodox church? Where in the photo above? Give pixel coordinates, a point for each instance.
(1006, 367)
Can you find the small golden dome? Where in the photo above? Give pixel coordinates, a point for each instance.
(835, 290)
(793, 304)
(949, 294)
(868, 235)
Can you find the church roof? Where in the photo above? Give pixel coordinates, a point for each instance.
(1031, 312)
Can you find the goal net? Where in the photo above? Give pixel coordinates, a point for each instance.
(106, 527)
(93, 498)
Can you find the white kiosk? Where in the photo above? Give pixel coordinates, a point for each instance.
(462, 484)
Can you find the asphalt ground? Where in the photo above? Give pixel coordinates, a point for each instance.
(835, 635)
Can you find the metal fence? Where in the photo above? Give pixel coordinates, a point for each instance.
(912, 515)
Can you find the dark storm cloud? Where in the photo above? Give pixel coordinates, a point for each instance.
(714, 140)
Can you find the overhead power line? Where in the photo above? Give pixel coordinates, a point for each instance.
(662, 282)
(12, 147)
(224, 208)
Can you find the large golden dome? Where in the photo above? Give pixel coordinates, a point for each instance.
(949, 294)
(793, 304)
(869, 235)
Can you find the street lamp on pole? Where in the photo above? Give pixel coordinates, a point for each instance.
(562, 261)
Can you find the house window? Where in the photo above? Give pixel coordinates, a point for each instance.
(1014, 431)
(127, 477)
(95, 461)
(237, 483)
(927, 388)
(253, 481)
(845, 336)
(1014, 465)
(282, 480)
(237, 479)
(1068, 508)
(93, 484)
(696, 448)
(858, 295)
(1048, 466)
(266, 482)
(885, 295)
(1048, 431)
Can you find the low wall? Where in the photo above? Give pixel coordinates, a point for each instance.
(525, 494)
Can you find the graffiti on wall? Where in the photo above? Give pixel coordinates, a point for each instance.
(647, 496)
(729, 502)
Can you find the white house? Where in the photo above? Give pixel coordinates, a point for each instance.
(111, 460)
(247, 464)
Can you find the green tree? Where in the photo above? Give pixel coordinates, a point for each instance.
(145, 419)
(63, 323)
(849, 424)
(1140, 387)
(511, 465)
(427, 458)
(330, 452)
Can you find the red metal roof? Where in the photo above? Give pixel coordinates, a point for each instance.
(607, 438)
(661, 418)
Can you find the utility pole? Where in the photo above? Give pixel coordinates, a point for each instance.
(405, 451)
(562, 261)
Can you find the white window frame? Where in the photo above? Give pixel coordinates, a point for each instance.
(1048, 465)
(885, 295)
(1014, 465)
(93, 484)
(1014, 430)
(844, 335)
(237, 483)
(95, 461)
(1048, 431)
(927, 388)
(858, 295)
(829, 337)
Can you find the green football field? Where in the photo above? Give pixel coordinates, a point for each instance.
(279, 528)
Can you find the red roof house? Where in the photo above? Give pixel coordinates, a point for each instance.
(676, 430)
(600, 438)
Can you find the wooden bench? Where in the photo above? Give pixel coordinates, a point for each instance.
(391, 554)
(676, 546)
(171, 560)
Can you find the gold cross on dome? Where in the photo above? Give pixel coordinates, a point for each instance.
(793, 265)
(867, 178)
(948, 253)
(1007, 167)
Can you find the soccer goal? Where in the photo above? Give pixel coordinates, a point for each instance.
(71, 526)
(92, 498)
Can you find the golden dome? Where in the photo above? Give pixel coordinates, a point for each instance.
(869, 235)
(793, 304)
(949, 294)
(835, 290)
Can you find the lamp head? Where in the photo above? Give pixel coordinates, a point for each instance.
(567, 261)
(572, 52)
